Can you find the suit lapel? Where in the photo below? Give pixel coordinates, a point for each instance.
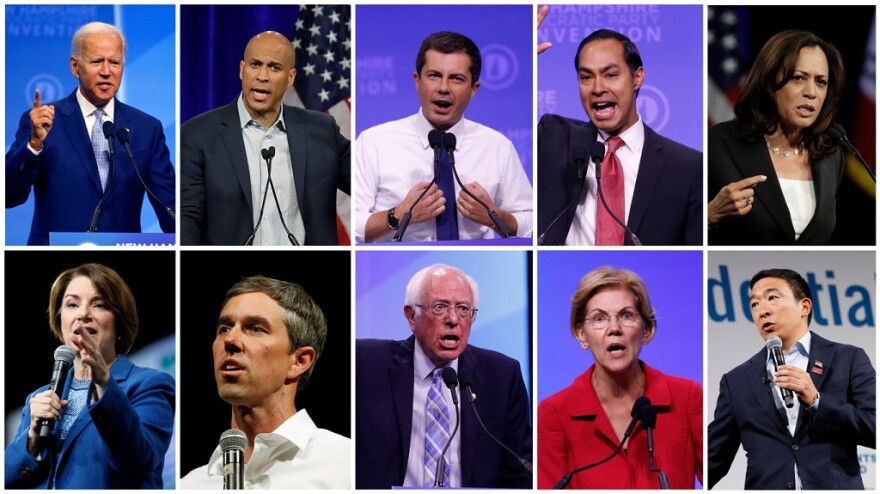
(825, 191)
(651, 168)
(230, 133)
(400, 377)
(756, 374)
(298, 145)
(469, 429)
(752, 159)
(820, 351)
(74, 128)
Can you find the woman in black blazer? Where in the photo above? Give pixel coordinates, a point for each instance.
(773, 171)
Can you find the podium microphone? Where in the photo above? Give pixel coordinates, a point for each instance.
(580, 151)
(640, 403)
(451, 380)
(64, 356)
(649, 420)
(233, 443)
(268, 154)
(838, 135)
(435, 139)
(124, 137)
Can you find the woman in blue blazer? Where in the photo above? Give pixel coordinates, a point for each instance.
(113, 421)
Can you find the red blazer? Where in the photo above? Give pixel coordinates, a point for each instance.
(573, 431)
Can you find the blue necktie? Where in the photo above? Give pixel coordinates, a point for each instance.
(436, 430)
(447, 222)
(101, 147)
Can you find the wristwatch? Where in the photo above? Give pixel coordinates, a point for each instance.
(393, 221)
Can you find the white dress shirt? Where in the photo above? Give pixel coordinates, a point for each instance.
(583, 227)
(395, 156)
(271, 230)
(423, 370)
(297, 455)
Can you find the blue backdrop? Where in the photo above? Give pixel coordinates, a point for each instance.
(386, 60)
(670, 40)
(504, 280)
(38, 57)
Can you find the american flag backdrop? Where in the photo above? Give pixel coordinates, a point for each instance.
(728, 62)
(322, 40)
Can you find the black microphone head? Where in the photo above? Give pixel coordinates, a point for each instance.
(580, 151)
(435, 138)
(122, 134)
(65, 354)
(233, 439)
(449, 140)
(265, 153)
(450, 377)
(597, 152)
(773, 342)
(271, 151)
(465, 378)
(109, 129)
(648, 416)
(641, 402)
(836, 132)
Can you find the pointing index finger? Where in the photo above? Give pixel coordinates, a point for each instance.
(37, 99)
(748, 183)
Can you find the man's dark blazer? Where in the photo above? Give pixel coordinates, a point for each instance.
(824, 443)
(733, 158)
(65, 180)
(215, 190)
(384, 394)
(667, 203)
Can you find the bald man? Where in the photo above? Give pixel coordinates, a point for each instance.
(259, 172)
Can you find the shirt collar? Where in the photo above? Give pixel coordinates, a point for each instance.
(423, 127)
(423, 365)
(244, 118)
(87, 108)
(801, 346)
(633, 137)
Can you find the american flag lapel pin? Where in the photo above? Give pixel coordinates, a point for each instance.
(818, 368)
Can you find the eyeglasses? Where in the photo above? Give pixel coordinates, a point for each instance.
(440, 309)
(626, 318)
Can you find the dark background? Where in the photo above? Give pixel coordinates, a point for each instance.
(30, 345)
(847, 28)
(204, 278)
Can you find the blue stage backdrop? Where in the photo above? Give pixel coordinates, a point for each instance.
(38, 57)
(670, 41)
(504, 320)
(386, 61)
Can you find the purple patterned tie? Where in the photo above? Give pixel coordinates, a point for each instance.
(436, 430)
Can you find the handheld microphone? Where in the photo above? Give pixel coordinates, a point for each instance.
(268, 154)
(632, 236)
(464, 376)
(449, 142)
(640, 403)
(123, 135)
(435, 139)
(451, 380)
(774, 346)
(64, 356)
(838, 135)
(580, 151)
(233, 443)
(265, 153)
(649, 420)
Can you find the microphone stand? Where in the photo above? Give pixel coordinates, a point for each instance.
(123, 135)
(451, 381)
(250, 239)
(268, 157)
(434, 139)
(632, 236)
(836, 131)
(596, 151)
(472, 398)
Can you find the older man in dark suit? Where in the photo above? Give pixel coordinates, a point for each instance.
(405, 415)
(650, 184)
(229, 154)
(812, 443)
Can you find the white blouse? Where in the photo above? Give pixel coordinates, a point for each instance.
(800, 197)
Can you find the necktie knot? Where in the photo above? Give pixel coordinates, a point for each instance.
(614, 144)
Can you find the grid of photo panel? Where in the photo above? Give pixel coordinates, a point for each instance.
(385, 245)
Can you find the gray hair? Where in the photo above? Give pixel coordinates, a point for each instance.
(305, 322)
(90, 29)
(417, 283)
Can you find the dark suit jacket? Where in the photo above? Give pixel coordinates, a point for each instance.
(732, 158)
(65, 180)
(117, 443)
(667, 204)
(384, 394)
(215, 191)
(825, 440)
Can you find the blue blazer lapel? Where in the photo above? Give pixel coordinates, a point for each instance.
(74, 127)
(822, 351)
(651, 168)
(762, 391)
(299, 156)
(401, 379)
(230, 134)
